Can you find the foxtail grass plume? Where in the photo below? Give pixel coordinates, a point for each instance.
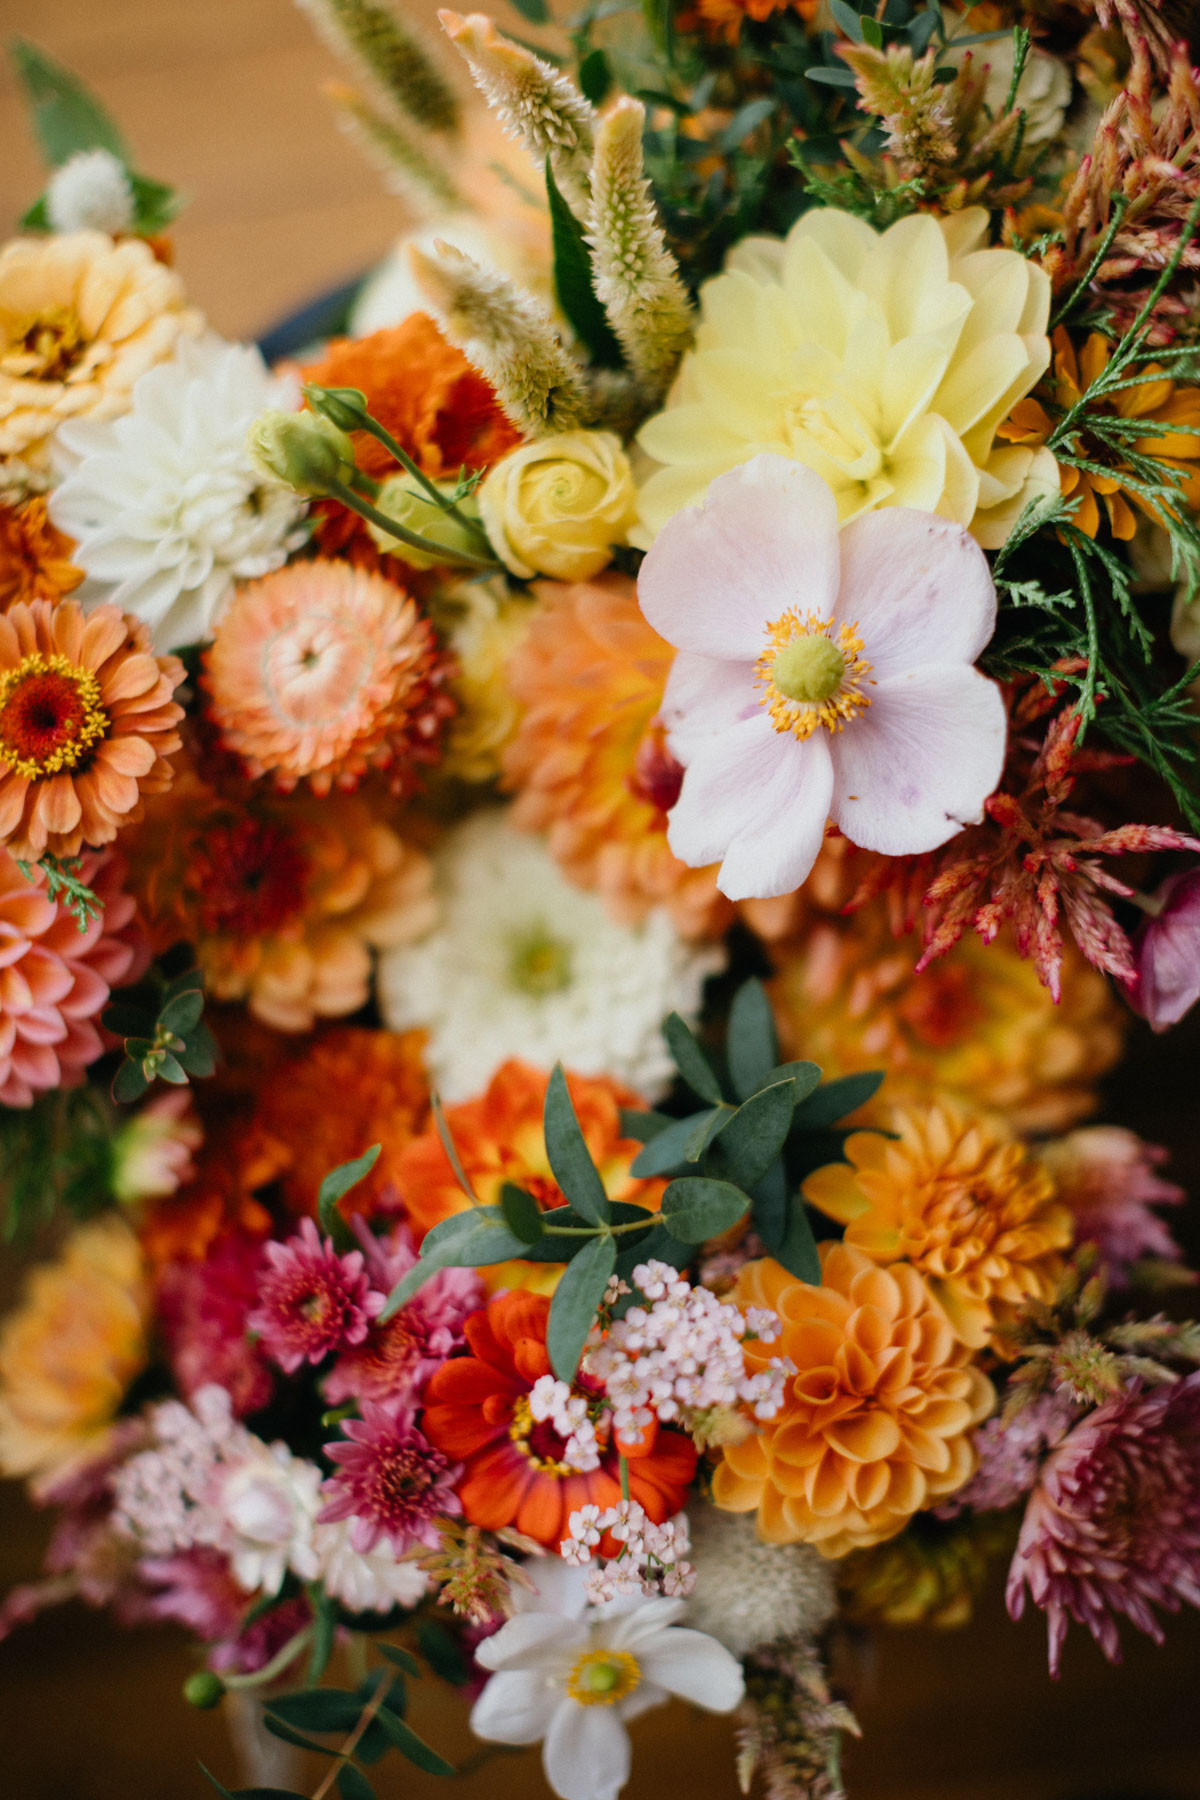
(391, 54)
(399, 155)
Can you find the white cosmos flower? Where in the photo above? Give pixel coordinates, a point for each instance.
(571, 1677)
(165, 505)
(522, 964)
(374, 1582)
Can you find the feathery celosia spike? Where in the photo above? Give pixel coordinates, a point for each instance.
(507, 336)
(635, 275)
(407, 169)
(392, 55)
(537, 105)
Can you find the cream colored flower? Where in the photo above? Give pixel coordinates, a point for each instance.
(483, 624)
(557, 507)
(81, 317)
(1043, 92)
(884, 361)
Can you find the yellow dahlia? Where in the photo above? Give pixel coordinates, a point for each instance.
(977, 1025)
(588, 762)
(962, 1201)
(87, 723)
(483, 624)
(70, 1350)
(321, 672)
(876, 1422)
(884, 361)
(81, 317)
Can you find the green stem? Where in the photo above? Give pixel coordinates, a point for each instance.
(598, 1230)
(384, 437)
(624, 1472)
(339, 491)
(278, 1663)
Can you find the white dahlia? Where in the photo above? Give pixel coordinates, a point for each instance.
(165, 505)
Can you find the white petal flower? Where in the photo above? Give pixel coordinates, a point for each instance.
(90, 192)
(268, 1502)
(524, 965)
(165, 505)
(372, 1582)
(572, 1678)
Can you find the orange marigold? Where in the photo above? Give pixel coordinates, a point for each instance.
(960, 1200)
(35, 557)
(588, 761)
(876, 1421)
(87, 723)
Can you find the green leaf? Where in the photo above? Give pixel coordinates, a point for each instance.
(129, 1083)
(522, 1214)
(751, 1046)
(659, 1246)
(705, 1131)
(443, 1653)
(797, 1250)
(339, 1181)
(769, 1202)
(66, 118)
(319, 1709)
(573, 282)
(448, 1145)
(183, 1013)
(669, 1149)
(595, 77)
(691, 1061)
(352, 1784)
(403, 1659)
(756, 1133)
(806, 1075)
(573, 1308)
(536, 11)
(643, 1124)
(415, 1748)
(254, 1793)
(199, 1054)
(154, 204)
(695, 1207)
(170, 1069)
(837, 1098)
(570, 1159)
(324, 1627)
(848, 19)
(125, 1021)
(287, 1735)
(552, 1248)
(843, 78)
(466, 1240)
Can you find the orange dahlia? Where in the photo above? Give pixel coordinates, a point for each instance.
(87, 723)
(960, 1200)
(499, 1139)
(876, 1422)
(35, 557)
(477, 1411)
(321, 672)
(588, 762)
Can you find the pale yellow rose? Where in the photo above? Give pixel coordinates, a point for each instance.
(558, 506)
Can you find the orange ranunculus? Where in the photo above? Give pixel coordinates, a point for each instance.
(477, 1411)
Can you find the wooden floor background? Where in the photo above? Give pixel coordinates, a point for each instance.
(221, 97)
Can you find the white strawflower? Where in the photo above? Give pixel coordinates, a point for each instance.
(90, 192)
(164, 503)
(374, 1581)
(749, 1593)
(521, 964)
(268, 1504)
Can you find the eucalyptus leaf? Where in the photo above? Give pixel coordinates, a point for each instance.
(806, 1075)
(199, 1054)
(568, 1154)
(405, 1739)
(797, 1250)
(535, 11)
(339, 1181)
(848, 19)
(522, 1214)
(466, 1240)
(66, 117)
(643, 1124)
(660, 1246)
(843, 78)
(756, 1133)
(573, 281)
(751, 1046)
(769, 1204)
(352, 1784)
(691, 1061)
(319, 1709)
(576, 1298)
(835, 1099)
(287, 1734)
(695, 1207)
(403, 1659)
(169, 1068)
(922, 28)
(553, 1248)
(324, 1627)
(442, 1652)
(668, 1150)
(183, 1012)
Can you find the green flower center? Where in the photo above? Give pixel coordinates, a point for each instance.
(809, 669)
(540, 963)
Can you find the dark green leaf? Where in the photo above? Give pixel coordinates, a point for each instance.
(181, 1014)
(251, 1793)
(835, 1099)
(769, 1205)
(756, 1133)
(466, 1240)
(443, 1653)
(352, 1784)
(798, 1249)
(843, 78)
(125, 1021)
(691, 1061)
(339, 1181)
(288, 1735)
(705, 1131)
(668, 1150)
(573, 282)
(595, 77)
(848, 19)
(642, 1124)
(750, 1045)
(129, 1083)
(199, 1053)
(536, 11)
(155, 204)
(872, 31)
(695, 1207)
(319, 1709)
(573, 1308)
(522, 1213)
(416, 1749)
(170, 1069)
(66, 118)
(183, 984)
(921, 31)
(35, 217)
(448, 1145)
(659, 1246)
(324, 1627)
(403, 1659)
(569, 1156)
(806, 1075)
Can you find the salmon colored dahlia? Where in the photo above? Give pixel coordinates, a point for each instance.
(876, 1422)
(35, 557)
(321, 672)
(87, 723)
(589, 763)
(477, 1411)
(499, 1139)
(960, 1200)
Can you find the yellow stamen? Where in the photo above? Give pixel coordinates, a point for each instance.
(519, 1430)
(602, 1677)
(50, 715)
(812, 675)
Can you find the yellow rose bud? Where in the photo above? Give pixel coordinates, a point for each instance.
(558, 506)
(302, 450)
(402, 500)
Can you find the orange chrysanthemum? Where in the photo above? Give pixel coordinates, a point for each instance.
(588, 762)
(499, 1139)
(876, 1421)
(977, 1025)
(87, 723)
(321, 672)
(35, 557)
(477, 1412)
(960, 1200)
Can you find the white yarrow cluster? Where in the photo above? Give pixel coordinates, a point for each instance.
(650, 1559)
(91, 192)
(552, 1401)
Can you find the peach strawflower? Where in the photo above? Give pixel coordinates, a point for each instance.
(876, 1422)
(81, 317)
(321, 672)
(962, 1201)
(977, 1025)
(70, 1350)
(499, 1139)
(35, 557)
(589, 764)
(87, 723)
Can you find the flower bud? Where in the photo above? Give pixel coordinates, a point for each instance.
(204, 1690)
(345, 407)
(1166, 954)
(301, 449)
(557, 506)
(401, 499)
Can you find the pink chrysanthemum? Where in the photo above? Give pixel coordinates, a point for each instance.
(204, 1307)
(1107, 1176)
(323, 671)
(313, 1301)
(396, 1359)
(1113, 1525)
(391, 1482)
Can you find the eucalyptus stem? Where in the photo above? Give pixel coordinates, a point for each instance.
(351, 1744)
(598, 1230)
(440, 553)
(278, 1663)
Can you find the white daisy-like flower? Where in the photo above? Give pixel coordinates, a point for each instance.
(571, 1677)
(749, 1593)
(372, 1582)
(164, 503)
(91, 192)
(521, 964)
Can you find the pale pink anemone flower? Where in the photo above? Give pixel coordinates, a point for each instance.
(820, 676)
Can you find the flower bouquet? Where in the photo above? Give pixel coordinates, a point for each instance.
(567, 881)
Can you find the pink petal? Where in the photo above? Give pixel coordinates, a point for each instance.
(921, 761)
(719, 781)
(918, 586)
(704, 698)
(777, 846)
(763, 539)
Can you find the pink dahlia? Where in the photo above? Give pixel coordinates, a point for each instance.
(312, 1301)
(391, 1482)
(821, 676)
(1108, 1177)
(204, 1308)
(1113, 1525)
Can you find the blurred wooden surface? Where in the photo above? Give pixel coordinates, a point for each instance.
(222, 98)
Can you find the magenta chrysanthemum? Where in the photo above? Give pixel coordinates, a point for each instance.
(313, 1301)
(1113, 1525)
(204, 1307)
(391, 1482)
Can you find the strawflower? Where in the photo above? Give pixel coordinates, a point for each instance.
(1109, 1179)
(312, 1301)
(35, 557)
(391, 1483)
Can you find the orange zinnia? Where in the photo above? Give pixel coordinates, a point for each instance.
(477, 1411)
(35, 557)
